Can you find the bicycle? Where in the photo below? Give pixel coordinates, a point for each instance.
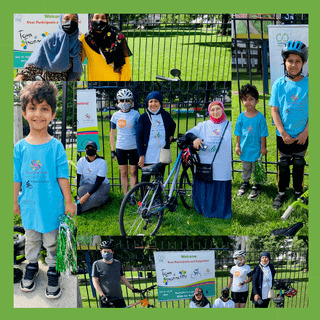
(286, 290)
(146, 215)
(303, 202)
(143, 301)
(174, 72)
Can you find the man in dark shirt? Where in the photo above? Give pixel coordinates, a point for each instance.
(107, 275)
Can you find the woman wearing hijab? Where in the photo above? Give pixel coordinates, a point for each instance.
(92, 182)
(106, 50)
(262, 281)
(199, 300)
(212, 197)
(149, 134)
(57, 57)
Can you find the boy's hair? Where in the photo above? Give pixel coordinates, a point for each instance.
(248, 89)
(38, 91)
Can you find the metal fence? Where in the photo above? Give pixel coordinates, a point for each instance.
(187, 102)
(136, 256)
(199, 45)
(250, 61)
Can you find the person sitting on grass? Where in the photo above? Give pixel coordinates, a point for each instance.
(199, 300)
(289, 103)
(251, 131)
(92, 182)
(107, 275)
(41, 170)
(224, 301)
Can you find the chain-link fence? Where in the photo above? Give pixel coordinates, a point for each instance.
(136, 256)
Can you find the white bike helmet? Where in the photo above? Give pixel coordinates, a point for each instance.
(239, 253)
(124, 94)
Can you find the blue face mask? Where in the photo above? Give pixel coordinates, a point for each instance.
(124, 106)
(107, 256)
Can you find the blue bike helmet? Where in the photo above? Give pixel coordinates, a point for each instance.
(296, 47)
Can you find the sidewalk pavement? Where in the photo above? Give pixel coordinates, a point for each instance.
(37, 298)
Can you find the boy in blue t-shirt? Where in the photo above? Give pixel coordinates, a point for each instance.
(251, 131)
(289, 103)
(41, 172)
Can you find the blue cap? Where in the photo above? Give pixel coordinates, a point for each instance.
(92, 144)
(154, 95)
(265, 254)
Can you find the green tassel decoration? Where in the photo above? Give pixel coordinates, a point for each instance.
(259, 172)
(66, 246)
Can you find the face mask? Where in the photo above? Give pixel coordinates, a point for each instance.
(225, 295)
(91, 152)
(69, 26)
(107, 256)
(264, 265)
(98, 25)
(124, 106)
(237, 262)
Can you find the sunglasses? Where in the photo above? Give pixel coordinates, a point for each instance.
(125, 100)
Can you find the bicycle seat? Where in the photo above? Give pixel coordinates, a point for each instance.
(289, 231)
(152, 169)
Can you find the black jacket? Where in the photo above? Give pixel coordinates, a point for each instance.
(144, 127)
(257, 279)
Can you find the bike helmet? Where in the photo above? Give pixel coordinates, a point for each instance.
(291, 292)
(124, 94)
(239, 253)
(296, 47)
(190, 157)
(107, 244)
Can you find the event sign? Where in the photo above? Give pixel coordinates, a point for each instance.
(180, 272)
(87, 121)
(30, 29)
(279, 35)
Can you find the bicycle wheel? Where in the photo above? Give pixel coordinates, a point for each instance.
(185, 187)
(143, 217)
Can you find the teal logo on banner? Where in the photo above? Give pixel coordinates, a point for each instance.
(183, 293)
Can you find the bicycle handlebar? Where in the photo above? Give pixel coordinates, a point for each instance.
(166, 78)
(287, 213)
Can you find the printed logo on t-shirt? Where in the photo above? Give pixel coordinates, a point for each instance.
(89, 170)
(122, 123)
(35, 165)
(294, 97)
(216, 132)
(237, 273)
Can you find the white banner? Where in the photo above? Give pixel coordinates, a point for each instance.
(30, 29)
(180, 272)
(279, 35)
(87, 121)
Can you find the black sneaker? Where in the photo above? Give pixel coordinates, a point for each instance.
(27, 283)
(243, 189)
(256, 190)
(132, 200)
(278, 201)
(53, 290)
(298, 194)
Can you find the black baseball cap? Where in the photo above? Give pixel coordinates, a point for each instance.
(92, 144)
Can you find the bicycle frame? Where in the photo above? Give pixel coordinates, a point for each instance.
(174, 171)
(144, 303)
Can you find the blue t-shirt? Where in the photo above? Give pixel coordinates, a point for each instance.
(37, 168)
(251, 130)
(292, 99)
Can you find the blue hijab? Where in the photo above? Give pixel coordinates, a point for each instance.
(54, 51)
